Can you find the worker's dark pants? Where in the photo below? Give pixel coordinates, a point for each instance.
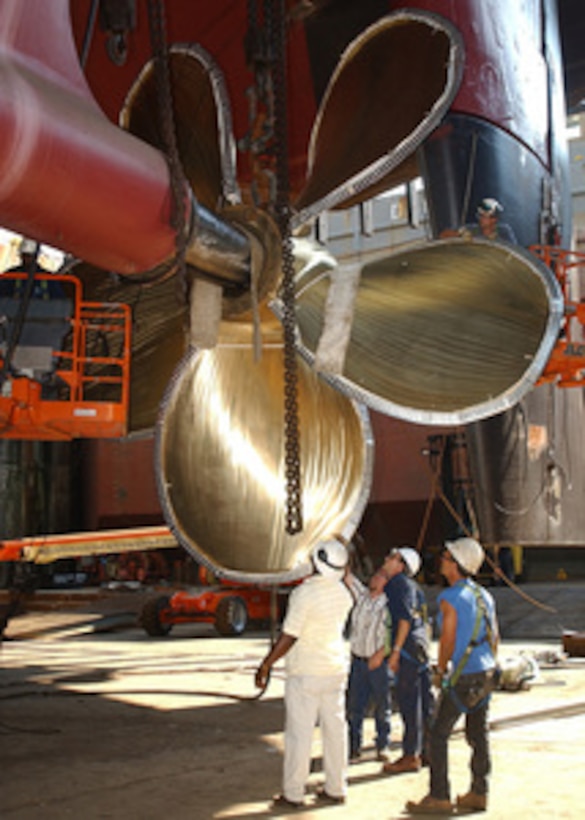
(368, 687)
(415, 701)
(469, 696)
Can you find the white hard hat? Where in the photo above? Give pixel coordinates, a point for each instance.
(468, 553)
(489, 205)
(330, 558)
(27, 245)
(411, 560)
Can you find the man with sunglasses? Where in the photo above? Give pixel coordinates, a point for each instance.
(369, 676)
(409, 656)
(465, 674)
(488, 223)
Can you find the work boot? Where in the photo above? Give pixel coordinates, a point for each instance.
(430, 805)
(325, 797)
(279, 801)
(472, 802)
(406, 763)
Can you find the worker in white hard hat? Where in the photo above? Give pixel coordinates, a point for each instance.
(488, 225)
(409, 656)
(44, 289)
(465, 676)
(28, 247)
(316, 664)
(488, 222)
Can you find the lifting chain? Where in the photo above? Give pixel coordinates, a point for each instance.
(117, 18)
(273, 49)
(158, 41)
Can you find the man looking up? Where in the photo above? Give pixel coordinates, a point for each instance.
(409, 657)
(316, 664)
(369, 676)
(465, 674)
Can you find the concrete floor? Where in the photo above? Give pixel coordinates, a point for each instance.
(113, 724)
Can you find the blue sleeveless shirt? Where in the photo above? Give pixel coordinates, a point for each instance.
(462, 598)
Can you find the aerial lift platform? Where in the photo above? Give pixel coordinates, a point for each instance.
(64, 361)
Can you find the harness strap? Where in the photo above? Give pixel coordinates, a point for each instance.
(413, 660)
(481, 614)
(466, 710)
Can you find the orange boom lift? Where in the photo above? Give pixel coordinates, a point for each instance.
(64, 362)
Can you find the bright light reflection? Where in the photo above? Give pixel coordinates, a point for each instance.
(243, 454)
(49, 258)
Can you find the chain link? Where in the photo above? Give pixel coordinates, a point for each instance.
(158, 41)
(274, 11)
(274, 50)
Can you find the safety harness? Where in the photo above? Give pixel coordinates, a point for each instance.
(481, 615)
(419, 618)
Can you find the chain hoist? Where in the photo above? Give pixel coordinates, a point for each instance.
(158, 40)
(117, 18)
(266, 53)
(277, 36)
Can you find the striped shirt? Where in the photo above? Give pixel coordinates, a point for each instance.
(370, 622)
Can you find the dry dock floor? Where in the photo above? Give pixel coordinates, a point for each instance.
(113, 724)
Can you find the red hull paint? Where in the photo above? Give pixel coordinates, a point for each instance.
(220, 28)
(503, 78)
(104, 196)
(119, 484)
(401, 466)
(505, 74)
(69, 177)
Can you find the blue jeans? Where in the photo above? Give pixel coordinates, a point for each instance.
(368, 686)
(416, 703)
(469, 696)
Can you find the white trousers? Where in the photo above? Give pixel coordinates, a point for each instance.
(312, 699)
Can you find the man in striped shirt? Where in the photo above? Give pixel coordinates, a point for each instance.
(369, 677)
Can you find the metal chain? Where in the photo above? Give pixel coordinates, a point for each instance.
(274, 11)
(158, 40)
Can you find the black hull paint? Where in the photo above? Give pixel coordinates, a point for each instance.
(526, 463)
(527, 468)
(467, 159)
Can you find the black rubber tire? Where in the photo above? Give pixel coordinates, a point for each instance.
(231, 616)
(150, 617)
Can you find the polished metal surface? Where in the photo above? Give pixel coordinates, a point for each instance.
(220, 459)
(217, 249)
(391, 88)
(445, 332)
(205, 142)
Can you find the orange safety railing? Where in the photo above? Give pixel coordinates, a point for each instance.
(566, 365)
(84, 393)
